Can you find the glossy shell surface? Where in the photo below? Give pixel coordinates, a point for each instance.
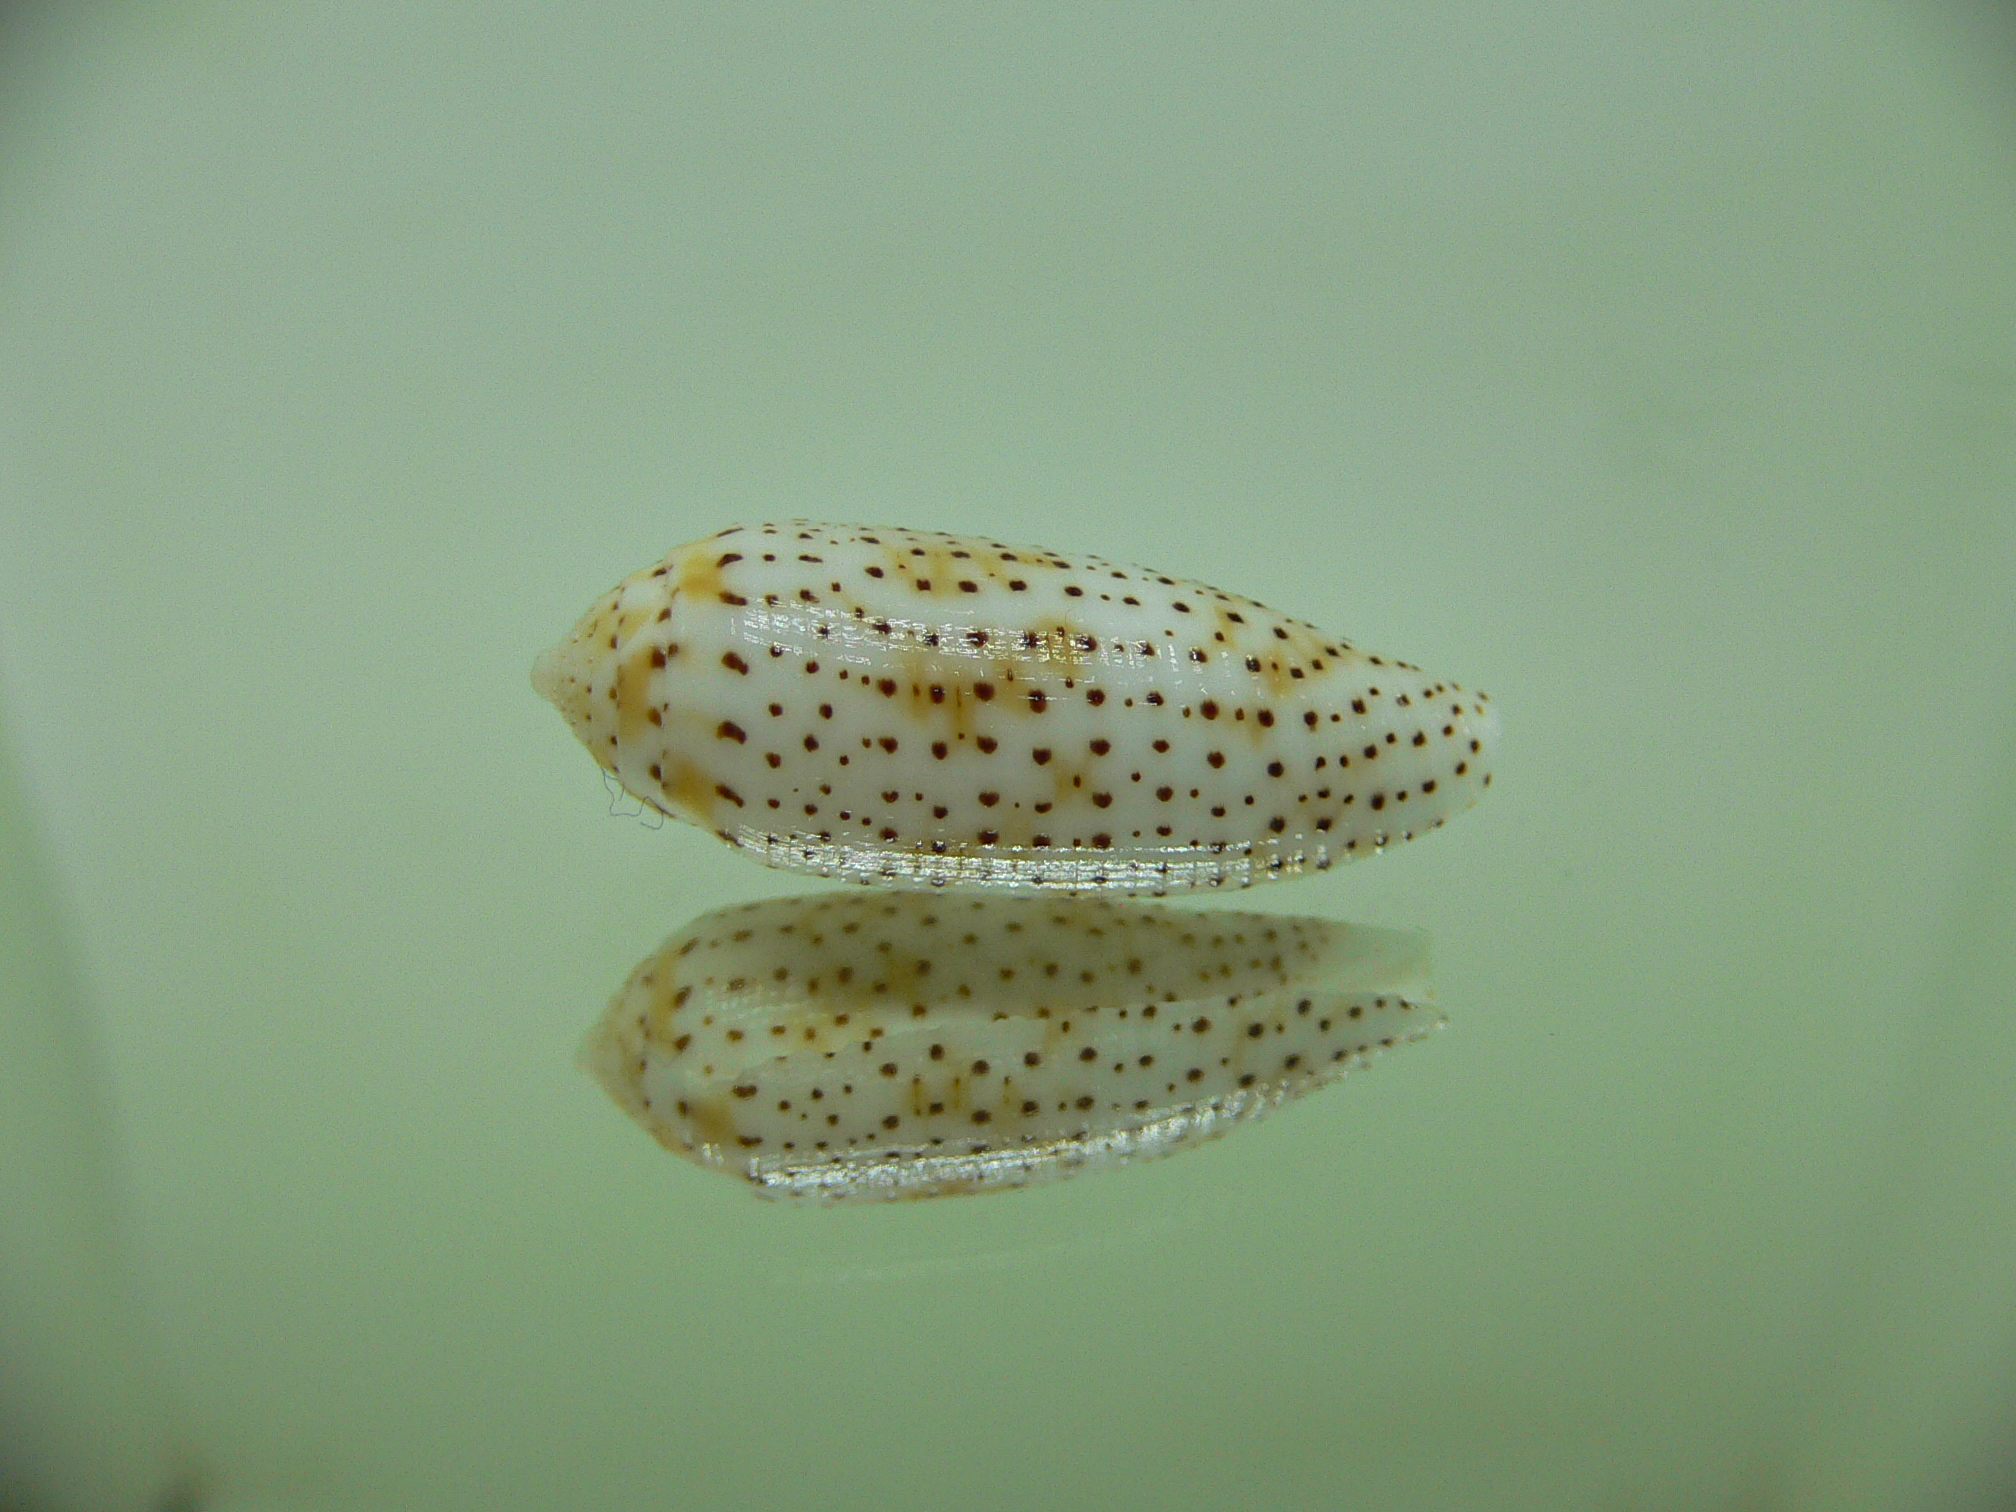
(904, 706)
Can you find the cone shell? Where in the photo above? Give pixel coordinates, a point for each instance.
(904, 706)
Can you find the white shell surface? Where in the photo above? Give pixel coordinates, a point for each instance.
(905, 706)
(910, 1044)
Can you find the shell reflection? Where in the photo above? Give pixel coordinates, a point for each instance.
(917, 1045)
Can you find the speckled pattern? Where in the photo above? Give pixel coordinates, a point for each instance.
(910, 707)
(911, 1044)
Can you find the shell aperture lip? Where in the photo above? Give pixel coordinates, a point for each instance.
(910, 707)
(912, 1044)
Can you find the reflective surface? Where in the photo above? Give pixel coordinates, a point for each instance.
(1649, 369)
(917, 1044)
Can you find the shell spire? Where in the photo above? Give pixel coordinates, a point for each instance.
(890, 705)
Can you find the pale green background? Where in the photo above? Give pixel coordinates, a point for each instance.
(1653, 367)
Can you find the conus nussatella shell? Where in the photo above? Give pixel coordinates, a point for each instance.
(905, 706)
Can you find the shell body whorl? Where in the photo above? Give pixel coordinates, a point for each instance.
(890, 705)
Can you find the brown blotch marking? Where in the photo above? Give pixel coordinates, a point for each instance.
(699, 576)
(634, 706)
(690, 790)
(729, 730)
(711, 1121)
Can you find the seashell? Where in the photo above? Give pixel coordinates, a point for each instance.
(911, 1044)
(904, 706)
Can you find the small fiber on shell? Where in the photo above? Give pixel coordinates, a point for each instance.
(903, 706)
(911, 1044)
